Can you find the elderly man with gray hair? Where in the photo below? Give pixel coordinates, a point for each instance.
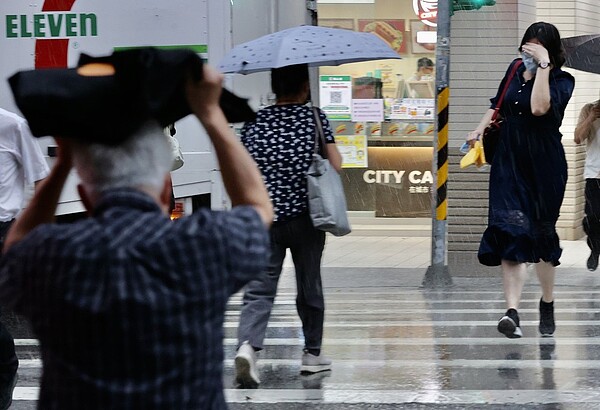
(127, 304)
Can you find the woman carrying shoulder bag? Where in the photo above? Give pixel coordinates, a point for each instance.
(528, 175)
(281, 140)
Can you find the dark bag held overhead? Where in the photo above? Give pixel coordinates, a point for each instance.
(146, 83)
(491, 134)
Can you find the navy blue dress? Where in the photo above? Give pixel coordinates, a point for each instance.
(528, 175)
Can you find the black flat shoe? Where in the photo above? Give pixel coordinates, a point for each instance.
(592, 262)
(547, 326)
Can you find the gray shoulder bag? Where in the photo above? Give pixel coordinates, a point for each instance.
(326, 199)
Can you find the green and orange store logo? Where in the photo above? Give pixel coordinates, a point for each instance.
(51, 29)
(51, 25)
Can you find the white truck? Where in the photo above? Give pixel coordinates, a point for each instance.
(53, 33)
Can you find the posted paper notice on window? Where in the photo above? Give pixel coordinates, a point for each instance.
(336, 96)
(367, 110)
(353, 149)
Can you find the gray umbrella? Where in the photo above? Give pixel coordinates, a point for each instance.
(583, 52)
(317, 46)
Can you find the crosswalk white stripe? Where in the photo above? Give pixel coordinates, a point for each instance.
(451, 397)
(26, 393)
(404, 341)
(347, 364)
(472, 341)
(425, 311)
(395, 291)
(378, 300)
(330, 396)
(30, 363)
(427, 341)
(27, 342)
(355, 323)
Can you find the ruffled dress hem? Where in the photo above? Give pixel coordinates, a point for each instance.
(497, 245)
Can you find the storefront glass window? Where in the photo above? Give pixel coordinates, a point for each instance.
(382, 112)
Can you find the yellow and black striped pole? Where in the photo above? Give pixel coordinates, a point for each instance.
(437, 274)
(441, 203)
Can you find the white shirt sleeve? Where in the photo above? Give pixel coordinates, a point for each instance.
(34, 164)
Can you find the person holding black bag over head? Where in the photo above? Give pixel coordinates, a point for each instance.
(282, 141)
(528, 174)
(128, 306)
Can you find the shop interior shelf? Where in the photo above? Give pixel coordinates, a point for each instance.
(411, 138)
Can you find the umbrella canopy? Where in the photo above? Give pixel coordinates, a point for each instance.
(316, 46)
(583, 52)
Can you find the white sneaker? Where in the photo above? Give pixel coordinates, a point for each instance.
(245, 367)
(314, 364)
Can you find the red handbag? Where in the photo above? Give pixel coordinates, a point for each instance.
(491, 134)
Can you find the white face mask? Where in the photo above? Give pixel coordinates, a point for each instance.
(530, 64)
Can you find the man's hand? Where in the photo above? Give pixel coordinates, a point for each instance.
(64, 158)
(595, 113)
(587, 116)
(203, 96)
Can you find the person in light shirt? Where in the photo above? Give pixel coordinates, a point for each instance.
(424, 70)
(21, 164)
(588, 130)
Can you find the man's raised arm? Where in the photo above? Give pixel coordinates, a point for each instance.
(42, 207)
(241, 176)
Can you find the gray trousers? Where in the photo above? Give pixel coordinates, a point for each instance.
(306, 246)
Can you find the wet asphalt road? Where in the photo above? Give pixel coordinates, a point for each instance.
(396, 345)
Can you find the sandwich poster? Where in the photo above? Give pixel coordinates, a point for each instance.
(417, 26)
(392, 32)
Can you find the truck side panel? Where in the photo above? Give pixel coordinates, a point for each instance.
(53, 33)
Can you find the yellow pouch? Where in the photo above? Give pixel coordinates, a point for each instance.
(475, 156)
(481, 157)
(470, 158)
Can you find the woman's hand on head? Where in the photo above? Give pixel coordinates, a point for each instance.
(537, 51)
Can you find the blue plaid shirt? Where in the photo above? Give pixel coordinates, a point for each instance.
(129, 306)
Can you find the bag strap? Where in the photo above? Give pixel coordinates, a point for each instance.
(506, 85)
(319, 135)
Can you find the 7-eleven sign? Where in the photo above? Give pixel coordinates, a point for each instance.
(52, 53)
